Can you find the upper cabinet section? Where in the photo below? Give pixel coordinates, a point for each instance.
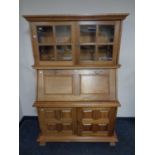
(76, 41)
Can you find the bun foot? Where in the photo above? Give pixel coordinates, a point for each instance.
(42, 143)
(112, 144)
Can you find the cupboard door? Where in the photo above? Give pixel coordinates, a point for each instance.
(57, 121)
(98, 42)
(53, 43)
(96, 121)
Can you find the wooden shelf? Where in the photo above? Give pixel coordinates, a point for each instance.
(81, 43)
(63, 44)
(87, 43)
(105, 43)
(46, 44)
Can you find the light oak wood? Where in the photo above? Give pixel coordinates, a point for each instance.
(76, 58)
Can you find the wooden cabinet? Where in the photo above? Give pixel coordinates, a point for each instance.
(76, 59)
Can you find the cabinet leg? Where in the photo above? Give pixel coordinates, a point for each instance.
(112, 144)
(42, 143)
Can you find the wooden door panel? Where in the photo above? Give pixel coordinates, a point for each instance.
(96, 121)
(94, 84)
(95, 113)
(59, 128)
(55, 85)
(58, 84)
(58, 114)
(57, 121)
(94, 130)
(98, 84)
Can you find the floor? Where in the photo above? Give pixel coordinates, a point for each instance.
(29, 131)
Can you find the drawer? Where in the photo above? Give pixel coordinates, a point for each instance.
(57, 121)
(76, 85)
(96, 121)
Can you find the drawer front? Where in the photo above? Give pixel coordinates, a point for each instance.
(76, 85)
(57, 121)
(96, 121)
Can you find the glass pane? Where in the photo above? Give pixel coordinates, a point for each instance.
(105, 52)
(63, 34)
(87, 52)
(46, 53)
(87, 33)
(106, 33)
(64, 53)
(45, 34)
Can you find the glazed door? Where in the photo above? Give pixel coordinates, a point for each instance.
(53, 43)
(98, 42)
(96, 121)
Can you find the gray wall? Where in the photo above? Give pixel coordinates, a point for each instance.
(126, 85)
(20, 112)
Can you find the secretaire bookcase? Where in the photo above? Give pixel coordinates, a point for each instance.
(76, 60)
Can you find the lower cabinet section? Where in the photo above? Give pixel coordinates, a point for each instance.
(77, 124)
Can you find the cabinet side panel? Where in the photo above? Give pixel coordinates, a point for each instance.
(34, 43)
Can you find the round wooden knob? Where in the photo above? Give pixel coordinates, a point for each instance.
(34, 36)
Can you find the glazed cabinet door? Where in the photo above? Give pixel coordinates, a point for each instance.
(57, 121)
(96, 121)
(53, 43)
(98, 42)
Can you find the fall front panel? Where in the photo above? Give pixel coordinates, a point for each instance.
(76, 85)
